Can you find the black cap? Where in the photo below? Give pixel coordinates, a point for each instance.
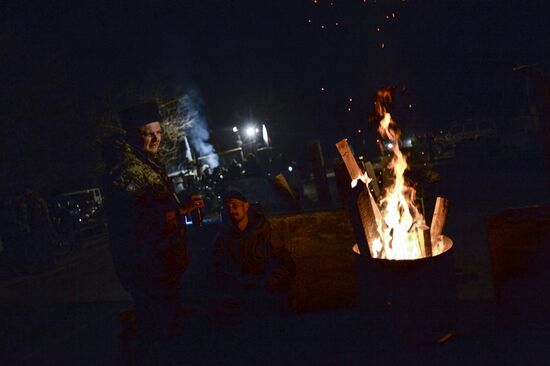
(139, 115)
(233, 195)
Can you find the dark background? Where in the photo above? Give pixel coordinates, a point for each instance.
(67, 68)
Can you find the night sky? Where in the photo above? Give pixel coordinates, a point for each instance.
(307, 69)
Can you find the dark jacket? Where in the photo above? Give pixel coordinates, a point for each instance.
(255, 257)
(145, 230)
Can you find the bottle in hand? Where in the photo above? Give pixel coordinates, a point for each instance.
(196, 217)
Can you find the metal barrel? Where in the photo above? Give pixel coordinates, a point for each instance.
(419, 293)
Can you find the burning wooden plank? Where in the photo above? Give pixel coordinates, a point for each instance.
(351, 164)
(374, 182)
(366, 205)
(355, 172)
(439, 217)
(424, 241)
(369, 213)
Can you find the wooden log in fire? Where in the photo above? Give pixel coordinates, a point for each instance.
(439, 217)
(369, 213)
(355, 172)
(366, 205)
(374, 181)
(424, 241)
(351, 164)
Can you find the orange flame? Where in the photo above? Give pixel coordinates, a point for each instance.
(401, 218)
(401, 231)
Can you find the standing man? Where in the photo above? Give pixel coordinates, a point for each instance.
(145, 217)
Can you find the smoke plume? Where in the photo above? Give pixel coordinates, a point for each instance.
(189, 112)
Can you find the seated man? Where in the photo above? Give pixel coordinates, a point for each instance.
(252, 266)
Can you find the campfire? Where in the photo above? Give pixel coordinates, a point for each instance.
(394, 227)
